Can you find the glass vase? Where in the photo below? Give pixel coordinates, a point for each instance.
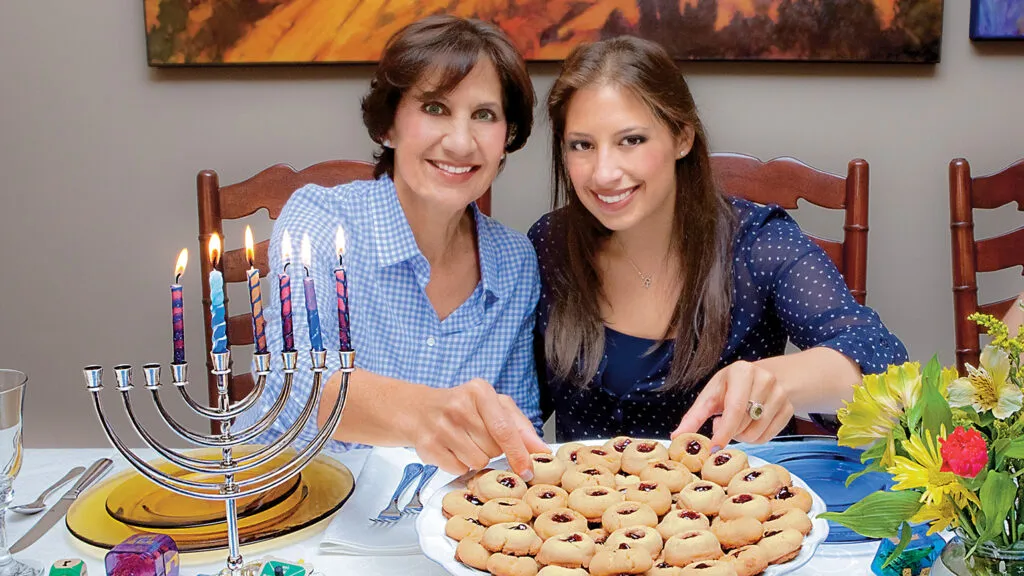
(988, 559)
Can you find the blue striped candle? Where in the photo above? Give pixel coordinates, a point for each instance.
(219, 328)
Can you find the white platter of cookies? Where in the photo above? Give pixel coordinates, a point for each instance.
(626, 506)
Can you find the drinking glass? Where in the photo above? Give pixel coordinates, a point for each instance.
(12, 396)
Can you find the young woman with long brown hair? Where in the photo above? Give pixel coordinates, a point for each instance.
(664, 302)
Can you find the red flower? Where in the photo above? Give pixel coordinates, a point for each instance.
(964, 452)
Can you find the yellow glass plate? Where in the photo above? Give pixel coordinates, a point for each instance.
(324, 486)
(140, 502)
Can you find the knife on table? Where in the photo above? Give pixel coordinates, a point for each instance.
(58, 510)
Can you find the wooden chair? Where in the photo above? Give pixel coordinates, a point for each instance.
(971, 256)
(783, 181)
(269, 189)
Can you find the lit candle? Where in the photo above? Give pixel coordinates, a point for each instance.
(178, 308)
(259, 324)
(219, 337)
(285, 286)
(341, 286)
(312, 315)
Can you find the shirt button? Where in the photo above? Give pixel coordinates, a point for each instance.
(431, 341)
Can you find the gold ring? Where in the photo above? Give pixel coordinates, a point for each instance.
(755, 410)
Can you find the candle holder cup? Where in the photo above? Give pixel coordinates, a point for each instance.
(217, 477)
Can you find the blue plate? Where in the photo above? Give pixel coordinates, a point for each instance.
(824, 466)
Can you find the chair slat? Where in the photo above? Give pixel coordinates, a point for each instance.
(780, 181)
(1000, 252)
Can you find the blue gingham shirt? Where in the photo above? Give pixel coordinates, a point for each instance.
(395, 330)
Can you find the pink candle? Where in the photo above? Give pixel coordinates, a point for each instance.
(285, 291)
(341, 287)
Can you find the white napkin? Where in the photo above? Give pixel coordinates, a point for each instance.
(351, 532)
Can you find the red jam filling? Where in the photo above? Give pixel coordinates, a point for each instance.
(599, 492)
(546, 495)
(473, 500)
(519, 527)
(620, 446)
(591, 472)
(635, 534)
(702, 566)
(573, 538)
(771, 533)
(743, 498)
(702, 488)
(721, 459)
(752, 476)
(784, 494)
(599, 452)
(689, 514)
(623, 546)
(662, 466)
(561, 518)
(645, 448)
(627, 511)
(693, 448)
(508, 482)
(544, 459)
(774, 517)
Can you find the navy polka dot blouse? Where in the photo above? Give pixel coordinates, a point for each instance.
(784, 287)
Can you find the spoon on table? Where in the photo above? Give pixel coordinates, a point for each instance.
(40, 503)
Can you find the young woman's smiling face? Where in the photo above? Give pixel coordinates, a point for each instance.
(620, 157)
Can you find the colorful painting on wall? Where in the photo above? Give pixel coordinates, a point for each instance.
(997, 19)
(205, 32)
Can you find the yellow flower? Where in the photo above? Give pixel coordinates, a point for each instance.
(988, 387)
(941, 516)
(878, 403)
(864, 420)
(923, 469)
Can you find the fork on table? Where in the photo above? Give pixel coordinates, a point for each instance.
(415, 506)
(391, 513)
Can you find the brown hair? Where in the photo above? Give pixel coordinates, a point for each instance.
(702, 231)
(451, 46)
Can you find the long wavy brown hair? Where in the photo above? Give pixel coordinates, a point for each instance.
(702, 231)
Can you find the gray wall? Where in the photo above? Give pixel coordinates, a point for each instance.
(99, 155)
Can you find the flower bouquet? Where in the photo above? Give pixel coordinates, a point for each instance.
(954, 446)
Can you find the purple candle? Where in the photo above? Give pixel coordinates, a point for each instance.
(259, 324)
(178, 308)
(285, 291)
(312, 314)
(341, 287)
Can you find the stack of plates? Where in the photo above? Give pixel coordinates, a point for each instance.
(128, 504)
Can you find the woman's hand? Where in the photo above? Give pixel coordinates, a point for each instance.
(463, 428)
(727, 397)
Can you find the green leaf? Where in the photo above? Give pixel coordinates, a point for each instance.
(971, 414)
(905, 535)
(914, 416)
(997, 494)
(875, 452)
(872, 467)
(999, 450)
(936, 409)
(1014, 450)
(879, 514)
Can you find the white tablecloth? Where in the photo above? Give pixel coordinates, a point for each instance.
(42, 467)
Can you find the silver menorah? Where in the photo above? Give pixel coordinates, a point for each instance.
(222, 484)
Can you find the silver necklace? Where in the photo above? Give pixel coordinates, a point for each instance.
(645, 279)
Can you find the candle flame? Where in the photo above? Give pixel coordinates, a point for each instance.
(215, 249)
(339, 241)
(307, 252)
(286, 248)
(250, 252)
(179, 268)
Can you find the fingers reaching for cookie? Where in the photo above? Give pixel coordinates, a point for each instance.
(465, 427)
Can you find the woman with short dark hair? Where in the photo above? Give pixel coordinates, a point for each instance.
(441, 296)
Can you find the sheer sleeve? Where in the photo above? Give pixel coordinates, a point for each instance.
(808, 294)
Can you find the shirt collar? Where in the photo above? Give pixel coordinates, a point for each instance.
(393, 236)
(396, 243)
